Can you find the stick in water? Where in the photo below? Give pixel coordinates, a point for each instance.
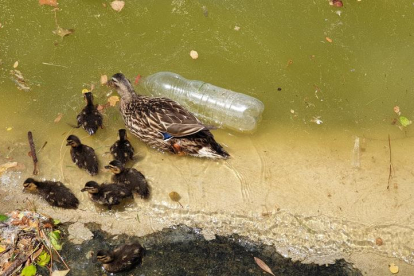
(33, 152)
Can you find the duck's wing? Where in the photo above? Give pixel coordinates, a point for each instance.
(168, 117)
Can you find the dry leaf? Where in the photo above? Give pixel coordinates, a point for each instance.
(7, 166)
(104, 79)
(113, 100)
(194, 54)
(117, 5)
(52, 3)
(16, 64)
(63, 32)
(263, 266)
(328, 39)
(59, 116)
(60, 272)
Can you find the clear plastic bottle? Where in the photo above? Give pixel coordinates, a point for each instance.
(216, 105)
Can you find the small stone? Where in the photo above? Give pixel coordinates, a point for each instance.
(194, 54)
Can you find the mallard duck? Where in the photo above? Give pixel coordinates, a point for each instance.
(82, 155)
(107, 194)
(55, 193)
(90, 118)
(164, 124)
(129, 177)
(122, 149)
(122, 258)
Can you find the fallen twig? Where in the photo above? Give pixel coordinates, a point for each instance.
(391, 167)
(33, 152)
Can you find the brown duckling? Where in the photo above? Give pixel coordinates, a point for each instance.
(82, 155)
(106, 194)
(55, 193)
(90, 118)
(122, 149)
(122, 258)
(129, 177)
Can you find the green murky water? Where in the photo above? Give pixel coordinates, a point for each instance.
(307, 61)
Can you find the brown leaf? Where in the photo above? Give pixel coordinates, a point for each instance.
(263, 266)
(59, 116)
(113, 100)
(104, 79)
(117, 5)
(63, 32)
(52, 3)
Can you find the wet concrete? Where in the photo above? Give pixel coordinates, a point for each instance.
(184, 251)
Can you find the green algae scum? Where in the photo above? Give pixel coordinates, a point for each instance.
(323, 186)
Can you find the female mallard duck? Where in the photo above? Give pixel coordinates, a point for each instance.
(55, 193)
(106, 194)
(129, 177)
(122, 258)
(122, 149)
(164, 124)
(90, 118)
(82, 155)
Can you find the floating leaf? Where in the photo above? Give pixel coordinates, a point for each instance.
(19, 80)
(175, 196)
(263, 266)
(43, 259)
(54, 239)
(52, 3)
(404, 121)
(117, 5)
(113, 100)
(60, 272)
(15, 64)
(104, 79)
(3, 217)
(329, 39)
(2, 248)
(57, 119)
(29, 270)
(393, 268)
(63, 32)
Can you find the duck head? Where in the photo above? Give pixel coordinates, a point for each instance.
(30, 185)
(115, 167)
(91, 187)
(73, 141)
(122, 85)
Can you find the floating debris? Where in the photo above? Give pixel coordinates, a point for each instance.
(58, 118)
(117, 5)
(393, 268)
(263, 266)
(329, 39)
(194, 54)
(6, 166)
(19, 80)
(104, 79)
(15, 64)
(52, 3)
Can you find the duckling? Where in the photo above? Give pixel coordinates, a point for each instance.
(164, 124)
(55, 193)
(129, 177)
(122, 258)
(106, 194)
(122, 149)
(89, 118)
(82, 155)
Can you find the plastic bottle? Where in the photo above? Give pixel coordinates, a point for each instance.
(216, 105)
